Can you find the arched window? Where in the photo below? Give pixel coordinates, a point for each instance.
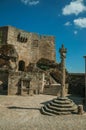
(21, 65)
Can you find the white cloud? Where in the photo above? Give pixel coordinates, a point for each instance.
(24, 1)
(68, 24)
(75, 7)
(75, 32)
(30, 2)
(80, 22)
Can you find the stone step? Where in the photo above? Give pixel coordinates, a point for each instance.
(46, 113)
(50, 111)
(64, 109)
(61, 105)
(62, 101)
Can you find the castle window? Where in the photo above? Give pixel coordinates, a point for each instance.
(22, 37)
(21, 65)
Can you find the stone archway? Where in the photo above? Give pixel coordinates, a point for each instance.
(21, 65)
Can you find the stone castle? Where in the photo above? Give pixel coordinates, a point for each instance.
(20, 53)
(28, 65)
(30, 47)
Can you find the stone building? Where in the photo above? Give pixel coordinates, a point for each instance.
(28, 65)
(30, 47)
(19, 53)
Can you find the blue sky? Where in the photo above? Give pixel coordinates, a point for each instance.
(65, 19)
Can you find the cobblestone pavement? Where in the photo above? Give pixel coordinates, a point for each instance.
(22, 113)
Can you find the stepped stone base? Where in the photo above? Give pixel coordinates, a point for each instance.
(59, 106)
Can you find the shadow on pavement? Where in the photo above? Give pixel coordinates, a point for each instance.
(15, 107)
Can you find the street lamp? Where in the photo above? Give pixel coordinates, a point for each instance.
(85, 78)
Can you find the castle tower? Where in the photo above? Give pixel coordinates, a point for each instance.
(30, 47)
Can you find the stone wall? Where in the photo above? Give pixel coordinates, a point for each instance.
(77, 84)
(3, 75)
(31, 50)
(3, 81)
(29, 47)
(3, 35)
(47, 47)
(23, 48)
(14, 82)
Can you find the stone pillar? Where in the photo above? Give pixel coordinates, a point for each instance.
(63, 56)
(21, 87)
(31, 93)
(80, 109)
(43, 83)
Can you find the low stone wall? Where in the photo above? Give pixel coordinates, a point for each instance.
(76, 84)
(14, 82)
(54, 90)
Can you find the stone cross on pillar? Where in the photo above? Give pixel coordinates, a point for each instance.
(63, 104)
(63, 52)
